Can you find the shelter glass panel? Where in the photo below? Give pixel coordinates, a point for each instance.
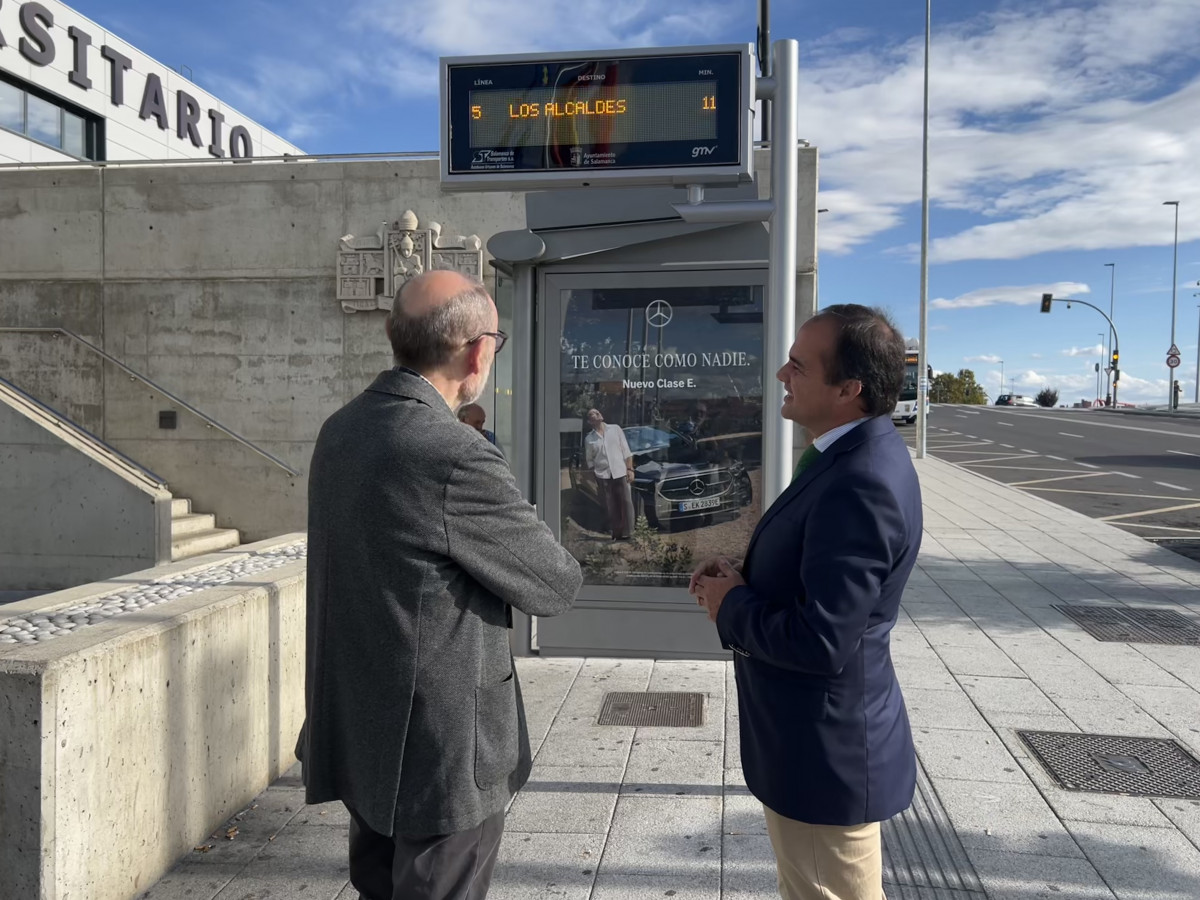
(660, 428)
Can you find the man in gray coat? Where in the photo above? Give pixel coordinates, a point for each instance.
(419, 542)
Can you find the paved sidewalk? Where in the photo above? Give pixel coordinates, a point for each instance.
(613, 813)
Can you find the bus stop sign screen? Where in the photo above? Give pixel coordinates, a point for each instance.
(624, 117)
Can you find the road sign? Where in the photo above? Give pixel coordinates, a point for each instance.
(655, 116)
(1174, 351)
(1173, 360)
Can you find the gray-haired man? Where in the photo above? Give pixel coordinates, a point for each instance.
(418, 543)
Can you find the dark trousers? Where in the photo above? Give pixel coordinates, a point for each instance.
(616, 500)
(454, 866)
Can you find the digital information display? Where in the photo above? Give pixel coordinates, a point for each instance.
(658, 116)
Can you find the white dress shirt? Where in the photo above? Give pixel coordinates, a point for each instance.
(606, 453)
(825, 441)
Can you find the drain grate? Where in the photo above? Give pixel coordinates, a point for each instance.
(648, 708)
(1135, 626)
(1113, 764)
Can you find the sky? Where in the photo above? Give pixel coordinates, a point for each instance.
(1057, 131)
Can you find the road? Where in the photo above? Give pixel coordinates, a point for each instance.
(1141, 474)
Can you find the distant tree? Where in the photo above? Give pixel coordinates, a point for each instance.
(960, 388)
(1047, 397)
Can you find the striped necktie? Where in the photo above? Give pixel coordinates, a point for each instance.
(807, 458)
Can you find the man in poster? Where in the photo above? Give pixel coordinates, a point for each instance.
(611, 462)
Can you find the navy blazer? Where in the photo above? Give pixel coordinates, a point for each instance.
(825, 737)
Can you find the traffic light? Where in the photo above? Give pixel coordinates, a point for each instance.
(1114, 359)
(1046, 300)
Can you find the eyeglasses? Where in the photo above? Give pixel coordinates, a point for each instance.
(499, 336)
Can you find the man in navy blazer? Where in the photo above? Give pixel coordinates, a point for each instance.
(825, 738)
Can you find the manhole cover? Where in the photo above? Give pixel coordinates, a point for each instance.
(1112, 764)
(1134, 626)
(653, 709)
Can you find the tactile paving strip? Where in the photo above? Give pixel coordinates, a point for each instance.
(923, 858)
(649, 708)
(1115, 764)
(1135, 626)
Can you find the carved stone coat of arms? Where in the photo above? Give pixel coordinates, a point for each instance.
(372, 268)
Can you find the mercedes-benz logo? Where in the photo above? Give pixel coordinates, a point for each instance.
(658, 313)
(697, 487)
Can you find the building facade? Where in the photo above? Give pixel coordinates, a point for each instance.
(71, 90)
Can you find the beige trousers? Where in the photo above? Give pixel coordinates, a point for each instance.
(826, 862)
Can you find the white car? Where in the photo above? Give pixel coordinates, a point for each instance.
(1015, 400)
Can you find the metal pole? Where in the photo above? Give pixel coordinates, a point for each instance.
(1111, 325)
(1197, 399)
(764, 64)
(1001, 391)
(923, 328)
(1102, 335)
(1174, 278)
(781, 293)
(1112, 294)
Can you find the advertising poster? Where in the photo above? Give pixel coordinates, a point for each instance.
(660, 428)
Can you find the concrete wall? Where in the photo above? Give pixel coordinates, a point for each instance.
(216, 282)
(125, 743)
(70, 515)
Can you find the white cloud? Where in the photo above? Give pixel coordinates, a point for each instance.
(1035, 356)
(327, 63)
(1022, 295)
(1067, 143)
(1082, 386)
(985, 358)
(1097, 350)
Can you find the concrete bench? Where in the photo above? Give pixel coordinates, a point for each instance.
(138, 713)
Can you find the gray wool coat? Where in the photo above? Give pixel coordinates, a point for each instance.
(418, 543)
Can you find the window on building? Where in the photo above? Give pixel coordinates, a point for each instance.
(12, 107)
(74, 134)
(43, 121)
(28, 112)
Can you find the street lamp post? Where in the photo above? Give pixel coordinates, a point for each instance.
(1099, 334)
(1197, 400)
(1112, 293)
(1174, 278)
(923, 299)
(1001, 376)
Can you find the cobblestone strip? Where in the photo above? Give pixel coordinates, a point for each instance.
(46, 626)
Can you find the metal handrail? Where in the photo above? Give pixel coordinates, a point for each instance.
(208, 420)
(67, 424)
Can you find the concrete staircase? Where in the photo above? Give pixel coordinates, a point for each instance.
(193, 534)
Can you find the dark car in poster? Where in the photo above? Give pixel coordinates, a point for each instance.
(678, 480)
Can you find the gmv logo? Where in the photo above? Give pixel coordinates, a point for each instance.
(704, 151)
